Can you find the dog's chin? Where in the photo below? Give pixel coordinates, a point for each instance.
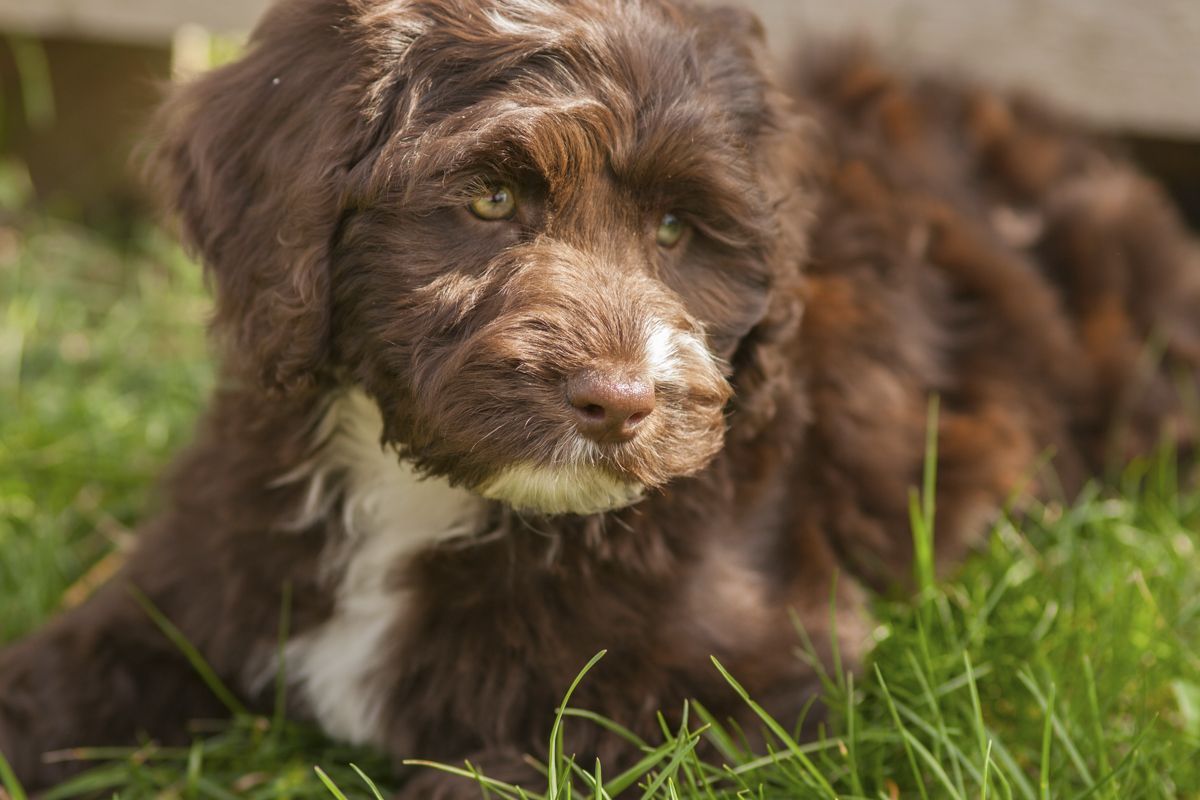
(537, 489)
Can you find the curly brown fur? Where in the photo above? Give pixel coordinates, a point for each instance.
(390, 361)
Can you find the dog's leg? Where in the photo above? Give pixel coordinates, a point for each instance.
(105, 673)
(100, 674)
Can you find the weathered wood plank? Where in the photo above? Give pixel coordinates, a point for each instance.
(134, 21)
(1116, 63)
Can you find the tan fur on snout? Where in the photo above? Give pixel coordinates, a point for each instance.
(562, 311)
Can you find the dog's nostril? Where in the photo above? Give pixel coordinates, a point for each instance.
(609, 406)
(636, 417)
(593, 410)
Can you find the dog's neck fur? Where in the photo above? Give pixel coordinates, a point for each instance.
(378, 515)
(386, 513)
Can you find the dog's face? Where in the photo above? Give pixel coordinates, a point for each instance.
(537, 233)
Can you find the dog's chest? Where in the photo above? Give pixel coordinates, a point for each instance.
(389, 514)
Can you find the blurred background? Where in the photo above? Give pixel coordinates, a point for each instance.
(78, 76)
(103, 363)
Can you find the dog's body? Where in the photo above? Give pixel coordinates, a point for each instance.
(837, 267)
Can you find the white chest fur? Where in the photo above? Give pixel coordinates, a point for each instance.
(389, 514)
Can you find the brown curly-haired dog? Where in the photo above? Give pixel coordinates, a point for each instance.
(548, 327)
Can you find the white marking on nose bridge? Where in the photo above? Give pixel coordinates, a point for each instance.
(665, 348)
(661, 352)
(389, 513)
(693, 342)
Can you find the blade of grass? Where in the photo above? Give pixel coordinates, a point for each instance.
(683, 746)
(681, 738)
(609, 725)
(1122, 765)
(905, 738)
(1099, 740)
(942, 737)
(556, 737)
(195, 767)
(506, 790)
(189, 651)
(8, 779)
(646, 763)
(1047, 732)
(986, 783)
(818, 779)
(370, 783)
(285, 624)
(985, 746)
(207, 788)
(717, 734)
(852, 737)
(1060, 731)
(329, 784)
(953, 751)
(1012, 768)
(923, 506)
(91, 783)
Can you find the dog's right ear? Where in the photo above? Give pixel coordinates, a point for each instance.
(260, 159)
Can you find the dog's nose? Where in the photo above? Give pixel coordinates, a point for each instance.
(609, 407)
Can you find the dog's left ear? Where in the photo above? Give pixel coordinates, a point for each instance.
(259, 159)
(779, 140)
(737, 64)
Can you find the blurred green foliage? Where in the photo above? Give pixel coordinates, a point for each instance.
(103, 365)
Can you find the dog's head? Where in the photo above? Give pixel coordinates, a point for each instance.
(546, 237)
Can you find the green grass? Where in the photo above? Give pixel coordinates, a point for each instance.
(102, 369)
(1063, 659)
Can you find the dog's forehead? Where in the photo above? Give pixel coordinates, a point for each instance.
(574, 87)
(630, 55)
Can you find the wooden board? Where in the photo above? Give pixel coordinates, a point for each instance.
(133, 21)
(1121, 64)
(1132, 66)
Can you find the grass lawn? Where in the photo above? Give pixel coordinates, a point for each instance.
(1063, 660)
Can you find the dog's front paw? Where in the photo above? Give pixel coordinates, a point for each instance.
(29, 716)
(15, 747)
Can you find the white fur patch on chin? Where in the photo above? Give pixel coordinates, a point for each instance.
(563, 490)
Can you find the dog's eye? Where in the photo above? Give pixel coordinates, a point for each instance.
(495, 204)
(670, 230)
